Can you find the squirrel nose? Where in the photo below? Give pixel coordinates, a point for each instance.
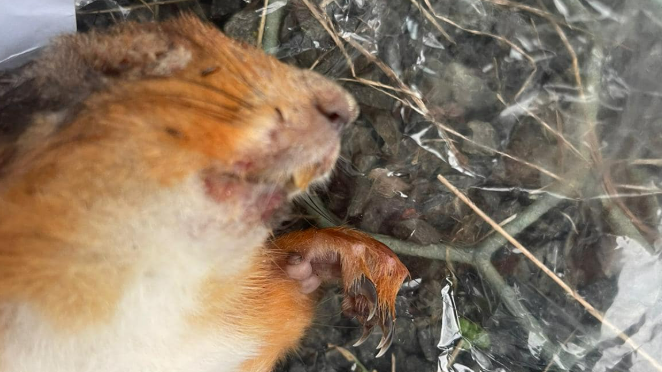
(336, 105)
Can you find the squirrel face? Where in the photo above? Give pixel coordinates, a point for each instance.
(140, 170)
(145, 107)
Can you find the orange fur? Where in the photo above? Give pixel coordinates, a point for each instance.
(104, 194)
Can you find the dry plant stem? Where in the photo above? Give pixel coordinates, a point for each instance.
(429, 17)
(521, 51)
(565, 342)
(576, 179)
(621, 218)
(618, 217)
(556, 133)
(544, 14)
(656, 162)
(274, 19)
(328, 27)
(456, 352)
(148, 7)
(589, 308)
(468, 255)
(263, 21)
(419, 106)
(415, 102)
(315, 208)
(512, 303)
(132, 7)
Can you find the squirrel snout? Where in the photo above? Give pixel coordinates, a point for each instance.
(339, 111)
(335, 104)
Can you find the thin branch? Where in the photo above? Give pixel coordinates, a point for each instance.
(589, 308)
(556, 133)
(416, 103)
(131, 7)
(263, 22)
(541, 13)
(148, 7)
(429, 17)
(328, 27)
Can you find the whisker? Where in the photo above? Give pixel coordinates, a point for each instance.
(236, 99)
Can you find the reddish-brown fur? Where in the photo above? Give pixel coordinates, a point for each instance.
(146, 108)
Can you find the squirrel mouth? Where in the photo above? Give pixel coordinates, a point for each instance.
(301, 179)
(264, 198)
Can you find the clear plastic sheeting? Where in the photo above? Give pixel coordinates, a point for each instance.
(546, 114)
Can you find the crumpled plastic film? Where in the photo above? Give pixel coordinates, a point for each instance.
(547, 114)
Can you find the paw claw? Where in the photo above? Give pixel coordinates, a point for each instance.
(387, 330)
(367, 331)
(386, 346)
(366, 288)
(387, 338)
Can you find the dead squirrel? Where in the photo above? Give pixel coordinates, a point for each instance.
(140, 171)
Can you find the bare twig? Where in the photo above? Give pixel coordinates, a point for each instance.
(565, 342)
(456, 352)
(589, 308)
(148, 7)
(429, 17)
(263, 22)
(414, 100)
(328, 27)
(131, 7)
(592, 138)
(655, 162)
(539, 12)
(556, 133)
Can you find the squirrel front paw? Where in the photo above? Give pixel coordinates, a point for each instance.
(370, 272)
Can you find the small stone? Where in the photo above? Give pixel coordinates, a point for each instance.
(429, 298)
(319, 337)
(431, 164)
(331, 311)
(369, 96)
(529, 143)
(443, 210)
(427, 340)
(386, 184)
(243, 26)
(414, 363)
(359, 140)
(365, 163)
(297, 367)
(360, 196)
(434, 85)
(379, 212)
(223, 8)
(336, 360)
(387, 127)
(417, 231)
(309, 25)
(366, 352)
(468, 89)
(482, 133)
(405, 335)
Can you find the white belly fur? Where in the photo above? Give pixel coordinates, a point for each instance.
(180, 241)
